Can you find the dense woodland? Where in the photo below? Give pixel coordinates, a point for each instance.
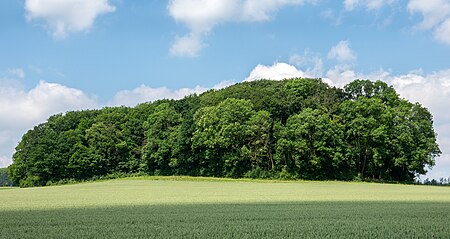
(298, 128)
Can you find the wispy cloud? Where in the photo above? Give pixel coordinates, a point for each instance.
(350, 5)
(201, 16)
(436, 17)
(342, 52)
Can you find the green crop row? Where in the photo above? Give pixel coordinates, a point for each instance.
(255, 220)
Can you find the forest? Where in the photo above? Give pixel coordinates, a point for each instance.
(290, 129)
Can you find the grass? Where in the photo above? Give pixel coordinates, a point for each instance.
(183, 207)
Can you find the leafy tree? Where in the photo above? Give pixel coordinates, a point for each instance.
(313, 144)
(162, 130)
(221, 133)
(259, 148)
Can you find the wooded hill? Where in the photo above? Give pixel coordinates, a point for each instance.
(298, 128)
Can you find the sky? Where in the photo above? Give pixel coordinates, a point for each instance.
(63, 55)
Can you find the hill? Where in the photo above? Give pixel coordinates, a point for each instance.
(298, 128)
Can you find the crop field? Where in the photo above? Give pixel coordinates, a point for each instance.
(181, 207)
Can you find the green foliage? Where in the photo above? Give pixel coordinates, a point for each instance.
(162, 132)
(298, 128)
(312, 145)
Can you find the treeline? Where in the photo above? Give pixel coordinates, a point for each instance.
(298, 128)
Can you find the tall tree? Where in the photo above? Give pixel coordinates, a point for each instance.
(162, 131)
(313, 143)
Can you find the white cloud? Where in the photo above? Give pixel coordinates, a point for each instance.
(433, 91)
(277, 71)
(223, 84)
(442, 33)
(188, 46)
(201, 16)
(434, 11)
(436, 17)
(340, 75)
(4, 161)
(64, 17)
(368, 4)
(262, 10)
(342, 52)
(145, 94)
(24, 108)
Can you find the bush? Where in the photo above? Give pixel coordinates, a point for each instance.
(259, 173)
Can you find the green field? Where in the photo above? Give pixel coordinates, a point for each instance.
(215, 208)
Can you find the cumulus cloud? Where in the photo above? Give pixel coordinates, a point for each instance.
(64, 17)
(188, 46)
(436, 17)
(277, 71)
(350, 5)
(201, 16)
(432, 90)
(20, 107)
(342, 52)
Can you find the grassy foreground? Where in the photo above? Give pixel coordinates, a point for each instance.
(203, 208)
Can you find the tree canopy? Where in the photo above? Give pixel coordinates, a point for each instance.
(297, 128)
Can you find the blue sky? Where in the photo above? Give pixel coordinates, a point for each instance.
(59, 55)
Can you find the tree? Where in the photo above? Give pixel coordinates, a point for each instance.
(220, 135)
(162, 131)
(259, 147)
(106, 148)
(312, 146)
